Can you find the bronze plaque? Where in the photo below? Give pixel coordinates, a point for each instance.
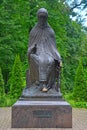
(42, 114)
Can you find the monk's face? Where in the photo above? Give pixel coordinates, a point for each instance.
(42, 18)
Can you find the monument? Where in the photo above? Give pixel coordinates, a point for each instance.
(41, 104)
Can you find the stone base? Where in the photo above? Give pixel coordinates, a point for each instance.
(41, 114)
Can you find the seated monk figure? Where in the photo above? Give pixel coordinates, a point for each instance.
(43, 56)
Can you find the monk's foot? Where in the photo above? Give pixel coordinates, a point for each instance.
(44, 88)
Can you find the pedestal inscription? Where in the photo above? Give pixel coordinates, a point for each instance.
(41, 114)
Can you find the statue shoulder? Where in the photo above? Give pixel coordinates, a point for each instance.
(33, 35)
(51, 31)
(33, 31)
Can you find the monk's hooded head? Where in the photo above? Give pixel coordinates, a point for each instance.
(42, 15)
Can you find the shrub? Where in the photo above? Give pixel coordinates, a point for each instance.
(80, 88)
(73, 103)
(16, 79)
(1, 84)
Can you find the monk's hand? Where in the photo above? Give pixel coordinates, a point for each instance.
(60, 64)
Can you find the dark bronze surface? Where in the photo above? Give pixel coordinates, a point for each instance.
(44, 58)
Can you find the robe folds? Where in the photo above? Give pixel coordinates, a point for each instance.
(42, 54)
(44, 39)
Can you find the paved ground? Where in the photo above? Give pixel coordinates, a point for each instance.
(79, 120)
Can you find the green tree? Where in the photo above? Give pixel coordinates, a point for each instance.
(16, 79)
(1, 84)
(14, 27)
(80, 88)
(17, 19)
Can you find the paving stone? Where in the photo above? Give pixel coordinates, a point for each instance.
(79, 118)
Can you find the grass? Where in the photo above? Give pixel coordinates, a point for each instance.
(76, 104)
(7, 101)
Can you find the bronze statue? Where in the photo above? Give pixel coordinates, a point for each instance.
(43, 56)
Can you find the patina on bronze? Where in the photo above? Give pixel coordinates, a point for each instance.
(43, 56)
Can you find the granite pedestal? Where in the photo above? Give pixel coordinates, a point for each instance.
(41, 114)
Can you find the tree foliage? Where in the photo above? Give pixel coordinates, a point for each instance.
(14, 27)
(63, 83)
(77, 4)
